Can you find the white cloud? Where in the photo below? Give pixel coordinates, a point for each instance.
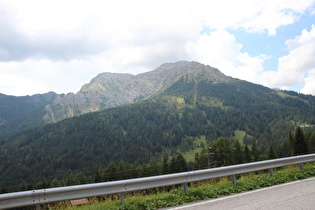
(253, 16)
(309, 87)
(293, 67)
(76, 29)
(221, 50)
(53, 40)
(41, 76)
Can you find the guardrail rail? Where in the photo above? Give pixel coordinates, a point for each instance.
(41, 196)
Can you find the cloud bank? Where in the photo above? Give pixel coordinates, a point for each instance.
(296, 68)
(60, 45)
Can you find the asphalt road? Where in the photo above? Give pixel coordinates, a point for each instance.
(294, 195)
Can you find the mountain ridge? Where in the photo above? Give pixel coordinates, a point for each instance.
(118, 89)
(104, 91)
(109, 90)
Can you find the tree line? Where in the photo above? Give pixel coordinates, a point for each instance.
(222, 152)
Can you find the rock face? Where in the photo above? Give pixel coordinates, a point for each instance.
(113, 89)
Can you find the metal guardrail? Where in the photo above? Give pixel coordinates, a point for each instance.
(37, 197)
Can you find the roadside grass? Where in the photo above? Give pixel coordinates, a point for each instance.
(214, 188)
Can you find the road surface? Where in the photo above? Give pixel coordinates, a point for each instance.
(294, 195)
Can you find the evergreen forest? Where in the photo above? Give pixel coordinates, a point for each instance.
(192, 125)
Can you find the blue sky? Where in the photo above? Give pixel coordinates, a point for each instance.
(267, 42)
(262, 43)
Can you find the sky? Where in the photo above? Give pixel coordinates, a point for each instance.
(59, 45)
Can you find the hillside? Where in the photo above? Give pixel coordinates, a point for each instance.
(104, 91)
(192, 104)
(21, 113)
(113, 89)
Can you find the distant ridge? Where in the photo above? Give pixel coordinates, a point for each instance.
(103, 91)
(113, 89)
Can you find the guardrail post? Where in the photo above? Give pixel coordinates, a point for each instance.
(233, 177)
(271, 172)
(302, 166)
(122, 197)
(185, 187)
(37, 207)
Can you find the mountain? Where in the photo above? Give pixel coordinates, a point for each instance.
(183, 107)
(21, 113)
(104, 91)
(113, 89)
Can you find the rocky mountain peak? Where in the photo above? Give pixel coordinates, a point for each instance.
(172, 72)
(107, 82)
(113, 89)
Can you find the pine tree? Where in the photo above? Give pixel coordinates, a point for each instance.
(121, 170)
(238, 152)
(271, 153)
(22, 186)
(173, 168)
(255, 152)
(247, 154)
(300, 145)
(223, 151)
(312, 143)
(291, 145)
(80, 178)
(98, 176)
(4, 190)
(153, 167)
(111, 172)
(196, 163)
(55, 183)
(181, 163)
(44, 184)
(165, 168)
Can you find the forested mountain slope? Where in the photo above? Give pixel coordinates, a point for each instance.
(21, 113)
(195, 104)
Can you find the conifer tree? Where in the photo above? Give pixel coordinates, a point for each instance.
(312, 143)
(22, 186)
(98, 176)
(238, 152)
(271, 153)
(247, 154)
(55, 183)
(181, 163)
(80, 178)
(291, 145)
(121, 170)
(300, 145)
(165, 168)
(111, 172)
(153, 167)
(4, 190)
(255, 152)
(196, 163)
(173, 165)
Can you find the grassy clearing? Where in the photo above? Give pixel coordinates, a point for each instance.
(197, 191)
(199, 144)
(240, 135)
(285, 95)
